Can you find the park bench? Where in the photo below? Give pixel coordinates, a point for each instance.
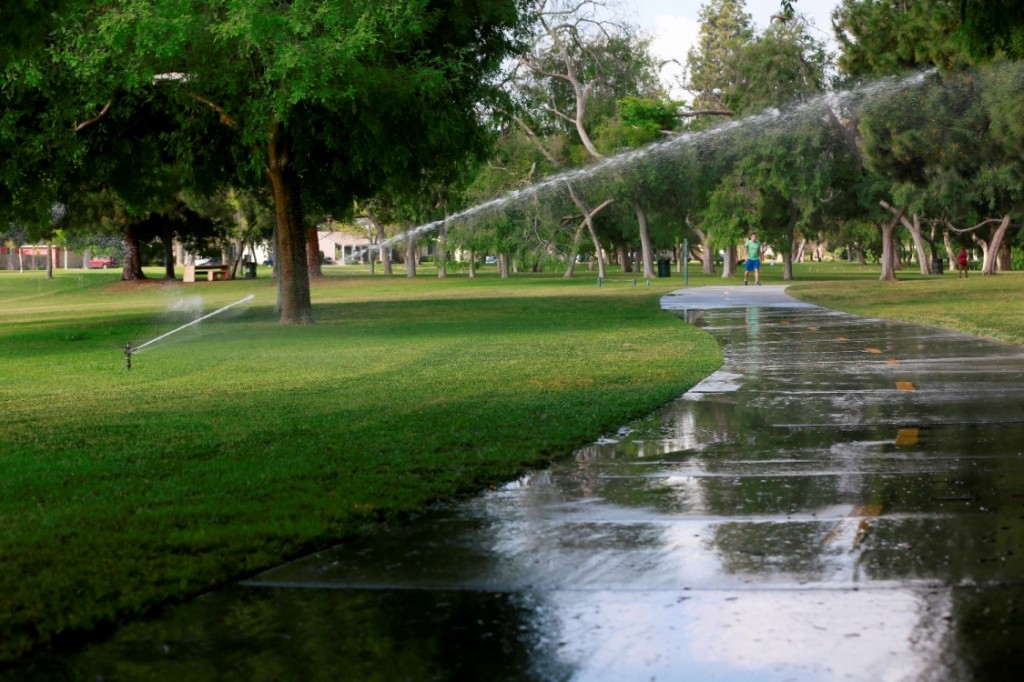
(212, 272)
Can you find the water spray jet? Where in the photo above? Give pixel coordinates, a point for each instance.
(130, 349)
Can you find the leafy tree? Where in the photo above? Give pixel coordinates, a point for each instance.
(326, 101)
(882, 37)
(725, 27)
(990, 27)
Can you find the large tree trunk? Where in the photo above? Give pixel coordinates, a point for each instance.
(294, 304)
(707, 253)
(313, 260)
(132, 257)
(503, 261)
(646, 254)
(729, 264)
(49, 260)
(787, 262)
(889, 254)
(993, 247)
(472, 264)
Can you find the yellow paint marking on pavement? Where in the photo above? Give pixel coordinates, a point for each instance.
(892, 361)
(907, 437)
(854, 533)
(905, 386)
(875, 351)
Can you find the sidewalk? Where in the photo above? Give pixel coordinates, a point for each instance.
(842, 500)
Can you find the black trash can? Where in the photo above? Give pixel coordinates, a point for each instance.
(937, 266)
(250, 271)
(664, 267)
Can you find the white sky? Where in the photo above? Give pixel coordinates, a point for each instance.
(674, 24)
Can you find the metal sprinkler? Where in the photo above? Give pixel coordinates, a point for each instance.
(128, 350)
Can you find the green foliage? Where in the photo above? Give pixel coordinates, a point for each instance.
(990, 27)
(725, 27)
(880, 37)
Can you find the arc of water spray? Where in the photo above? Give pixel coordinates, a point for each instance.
(136, 349)
(831, 100)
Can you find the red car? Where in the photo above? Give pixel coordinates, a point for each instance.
(103, 262)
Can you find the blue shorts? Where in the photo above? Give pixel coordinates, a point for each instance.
(753, 264)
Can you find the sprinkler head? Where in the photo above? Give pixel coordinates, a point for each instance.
(128, 350)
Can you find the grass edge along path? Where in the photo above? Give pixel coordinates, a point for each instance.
(990, 306)
(240, 443)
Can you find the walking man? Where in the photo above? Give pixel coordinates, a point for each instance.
(754, 250)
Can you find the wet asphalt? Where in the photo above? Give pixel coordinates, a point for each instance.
(842, 500)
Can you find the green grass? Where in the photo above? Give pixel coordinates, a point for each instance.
(992, 307)
(239, 443)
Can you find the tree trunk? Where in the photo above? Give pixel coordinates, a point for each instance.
(620, 254)
(503, 261)
(472, 264)
(132, 258)
(167, 241)
(948, 242)
(646, 255)
(442, 248)
(707, 254)
(993, 247)
(49, 260)
(410, 253)
(313, 261)
(888, 251)
(729, 264)
(588, 221)
(914, 228)
(794, 218)
(574, 250)
(799, 250)
(294, 304)
(1005, 261)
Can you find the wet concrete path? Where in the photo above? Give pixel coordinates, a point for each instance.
(843, 500)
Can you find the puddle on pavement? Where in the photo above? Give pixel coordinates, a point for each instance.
(797, 515)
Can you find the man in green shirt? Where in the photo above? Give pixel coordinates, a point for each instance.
(754, 249)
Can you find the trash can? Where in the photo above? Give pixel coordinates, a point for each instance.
(937, 266)
(250, 270)
(664, 267)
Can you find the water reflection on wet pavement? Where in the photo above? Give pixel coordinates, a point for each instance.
(844, 499)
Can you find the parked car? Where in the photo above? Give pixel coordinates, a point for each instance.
(491, 260)
(103, 262)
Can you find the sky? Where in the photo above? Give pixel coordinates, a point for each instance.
(674, 24)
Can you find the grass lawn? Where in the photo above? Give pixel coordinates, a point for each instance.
(239, 443)
(983, 306)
